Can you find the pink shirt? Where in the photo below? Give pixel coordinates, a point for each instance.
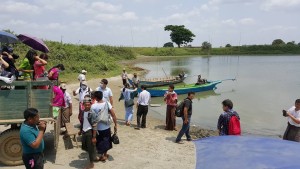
(171, 99)
(39, 69)
(55, 74)
(59, 99)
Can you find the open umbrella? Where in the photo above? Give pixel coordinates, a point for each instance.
(246, 152)
(6, 37)
(33, 42)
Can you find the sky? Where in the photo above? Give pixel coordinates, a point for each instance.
(141, 22)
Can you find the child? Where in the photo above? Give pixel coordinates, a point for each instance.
(223, 122)
(88, 135)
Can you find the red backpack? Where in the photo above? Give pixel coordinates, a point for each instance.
(234, 127)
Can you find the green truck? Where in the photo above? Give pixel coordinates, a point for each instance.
(14, 99)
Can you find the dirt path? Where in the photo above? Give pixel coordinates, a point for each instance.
(150, 148)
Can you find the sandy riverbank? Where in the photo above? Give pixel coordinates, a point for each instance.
(152, 147)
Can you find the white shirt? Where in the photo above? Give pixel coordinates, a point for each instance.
(81, 77)
(124, 75)
(97, 107)
(68, 99)
(106, 93)
(294, 113)
(86, 124)
(135, 80)
(83, 93)
(144, 98)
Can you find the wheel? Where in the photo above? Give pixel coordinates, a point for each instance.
(10, 147)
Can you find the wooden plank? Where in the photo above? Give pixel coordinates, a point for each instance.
(19, 121)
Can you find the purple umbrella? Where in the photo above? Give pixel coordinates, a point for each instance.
(33, 42)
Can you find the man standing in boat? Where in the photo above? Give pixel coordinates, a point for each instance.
(170, 98)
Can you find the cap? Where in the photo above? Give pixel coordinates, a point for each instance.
(134, 74)
(84, 82)
(63, 86)
(83, 71)
(124, 68)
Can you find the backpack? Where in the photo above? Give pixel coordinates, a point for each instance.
(179, 109)
(234, 127)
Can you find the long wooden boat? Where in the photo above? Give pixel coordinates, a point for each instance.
(184, 89)
(156, 82)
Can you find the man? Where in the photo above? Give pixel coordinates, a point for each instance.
(292, 132)
(83, 90)
(170, 98)
(31, 135)
(81, 76)
(67, 109)
(124, 76)
(135, 81)
(186, 118)
(101, 130)
(88, 143)
(224, 119)
(142, 107)
(107, 93)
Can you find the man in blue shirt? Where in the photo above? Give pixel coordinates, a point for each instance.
(31, 135)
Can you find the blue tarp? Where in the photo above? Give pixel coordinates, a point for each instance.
(246, 152)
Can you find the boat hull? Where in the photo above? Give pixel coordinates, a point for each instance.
(196, 88)
(158, 83)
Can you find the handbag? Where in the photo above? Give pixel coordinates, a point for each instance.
(129, 103)
(115, 138)
(104, 115)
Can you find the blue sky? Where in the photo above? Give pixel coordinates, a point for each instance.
(141, 22)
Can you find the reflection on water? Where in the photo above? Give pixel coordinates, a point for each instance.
(265, 85)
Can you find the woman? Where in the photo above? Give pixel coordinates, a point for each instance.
(170, 98)
(26, 65)
(54, 72)
(58, 101)
(39, 66)
(128, 99)
(3, 66)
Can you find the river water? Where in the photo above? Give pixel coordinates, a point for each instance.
(264, 86)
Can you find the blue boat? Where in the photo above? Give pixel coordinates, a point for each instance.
(184, 89)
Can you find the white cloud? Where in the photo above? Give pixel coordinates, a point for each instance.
(19, 7)
(229, 22)
(247, 21)
(126, 16)
(268, 5)
(105, 7)
(278, 28)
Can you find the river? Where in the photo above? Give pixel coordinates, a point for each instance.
(264, 86)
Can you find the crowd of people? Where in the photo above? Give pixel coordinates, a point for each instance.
(96, 112)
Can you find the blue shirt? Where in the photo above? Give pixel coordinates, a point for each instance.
(28, 135)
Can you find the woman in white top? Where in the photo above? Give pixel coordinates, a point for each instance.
(128, 95)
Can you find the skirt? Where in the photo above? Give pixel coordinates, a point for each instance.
(170, 118)
(104, 142)
(292, 133)
(65, 116)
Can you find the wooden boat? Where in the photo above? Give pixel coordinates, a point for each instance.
(156, 82)
(184, 89)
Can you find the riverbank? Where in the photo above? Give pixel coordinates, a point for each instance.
(152, 147)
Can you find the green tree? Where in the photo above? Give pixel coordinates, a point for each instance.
(206, 46)
(292, 43)
(169, 44)
(299, 44)
(228, 45)
(179, 34)
(278, 42)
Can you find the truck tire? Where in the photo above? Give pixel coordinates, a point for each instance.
(10, 147)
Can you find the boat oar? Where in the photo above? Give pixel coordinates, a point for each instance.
(228, 79)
